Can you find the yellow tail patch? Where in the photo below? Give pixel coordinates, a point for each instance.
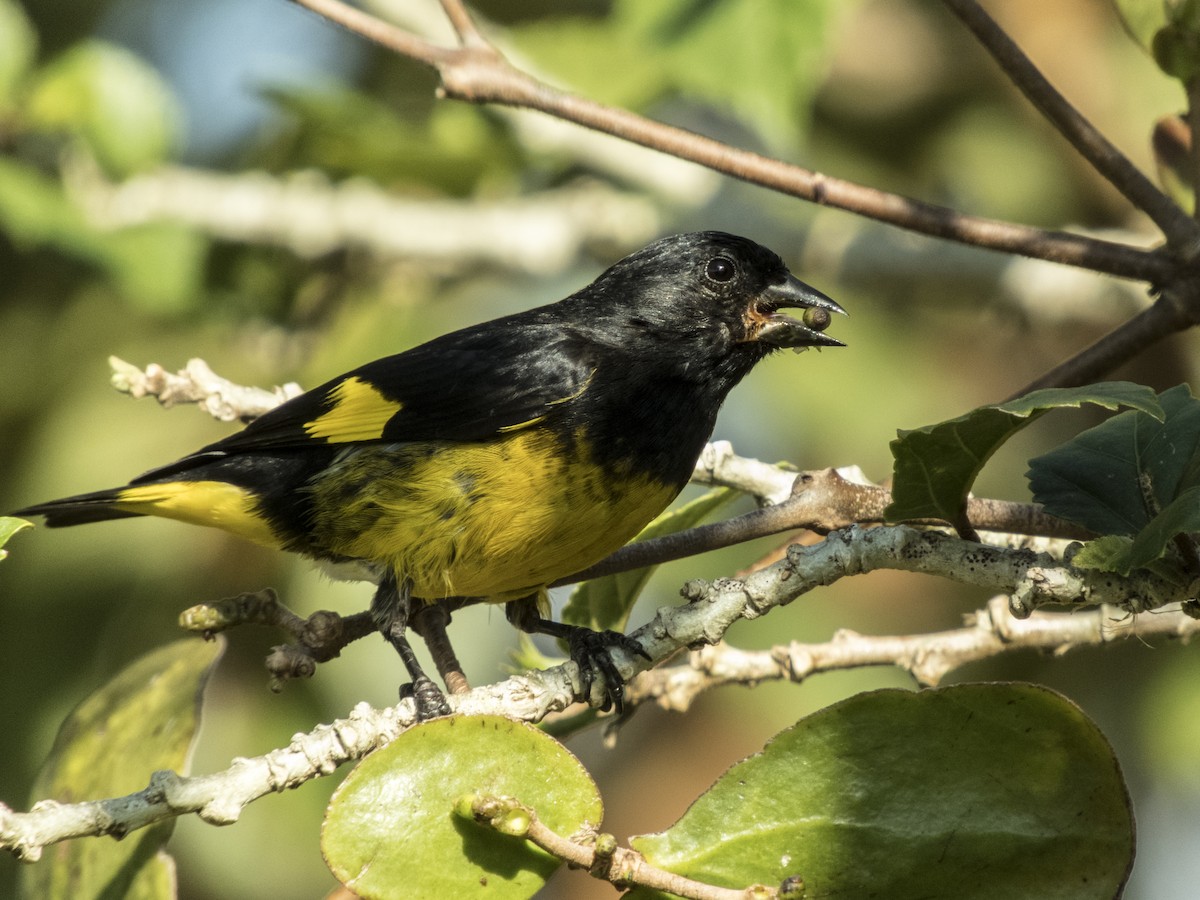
(214, 503)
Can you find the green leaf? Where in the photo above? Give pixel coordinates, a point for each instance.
(605, 603)
(1004, 791)
(346, 132)
(1115, 478)
(159, 266)
(111, 99)
(935, 466)
(1108, 553)
(141, 721)
(34, 210)
(391, 830)
(18, 49)
(8, 527)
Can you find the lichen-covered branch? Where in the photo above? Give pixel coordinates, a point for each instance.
(197, 383)
(1031, 579)
(929, 658)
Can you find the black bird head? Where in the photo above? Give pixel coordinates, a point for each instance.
(711, 301)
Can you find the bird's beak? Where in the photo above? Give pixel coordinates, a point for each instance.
(767, 325)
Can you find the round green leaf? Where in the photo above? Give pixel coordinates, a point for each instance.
(118, 104)
(391, 829)
(981, 790)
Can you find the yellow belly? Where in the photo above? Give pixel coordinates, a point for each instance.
(496, 520)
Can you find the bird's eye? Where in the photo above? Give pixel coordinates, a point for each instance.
(720, 268)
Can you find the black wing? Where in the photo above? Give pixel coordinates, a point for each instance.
(469, 385)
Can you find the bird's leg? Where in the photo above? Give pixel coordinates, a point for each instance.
(390, 610)
(429, 620)
(589, 649)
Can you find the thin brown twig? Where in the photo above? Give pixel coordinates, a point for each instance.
(821, 501)
(601, 856)
(462, 23)
(380, 32)
(1181, 231)
(1193, 122)
(480, 74)
(1165, 317)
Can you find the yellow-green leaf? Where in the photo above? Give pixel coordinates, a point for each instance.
(142, 720)
(8, 527)
(391, 830)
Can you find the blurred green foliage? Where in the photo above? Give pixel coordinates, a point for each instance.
(893, 94)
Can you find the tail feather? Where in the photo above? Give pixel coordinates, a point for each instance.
(97, 506)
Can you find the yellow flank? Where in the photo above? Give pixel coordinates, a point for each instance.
(215, 503)
(359, 413)
(496, 520)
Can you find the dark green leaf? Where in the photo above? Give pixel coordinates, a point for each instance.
(391, 830)
(935, 466)
(143, 720)
(1181, 516)
(1116, 477)
(605, 603)
(1004, 791)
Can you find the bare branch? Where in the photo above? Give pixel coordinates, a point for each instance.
(197, 383)
(1165, 317)
(541, 233)
(464, 26)
(929, 658)
(1192, 166)
(480, 74)
(380, 32)
(1182, 233)
(712, 608)
(820, 501)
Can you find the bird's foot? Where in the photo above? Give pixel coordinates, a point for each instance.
(428, 698)
(591, 651)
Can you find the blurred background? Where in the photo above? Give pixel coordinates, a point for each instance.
(240, 181)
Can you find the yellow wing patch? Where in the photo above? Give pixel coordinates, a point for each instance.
(359, 413)
(214, 503)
